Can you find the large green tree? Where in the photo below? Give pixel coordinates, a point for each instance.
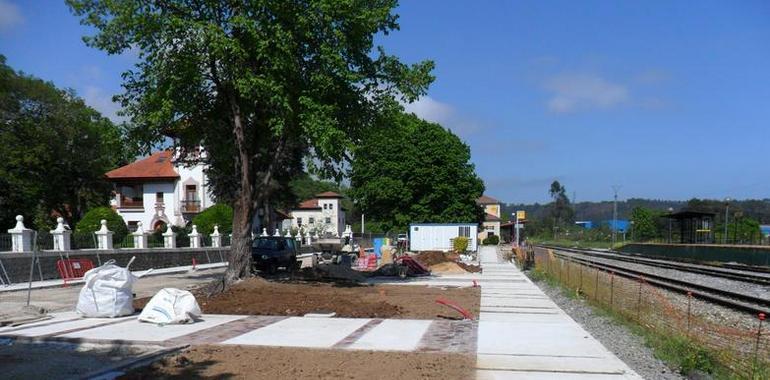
(560, 210)
(645, 223)
(264, 85)
(411, 170)
(54, 151)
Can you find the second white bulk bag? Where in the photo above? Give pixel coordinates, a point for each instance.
(169, 306)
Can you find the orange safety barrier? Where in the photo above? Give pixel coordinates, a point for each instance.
(70, 269)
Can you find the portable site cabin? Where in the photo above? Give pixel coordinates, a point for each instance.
(438, 236)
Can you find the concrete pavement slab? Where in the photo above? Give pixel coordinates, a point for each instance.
(148, 332)
(530, 375)
(597, 365)
(65, 326)
(393, 335)
(301, 332)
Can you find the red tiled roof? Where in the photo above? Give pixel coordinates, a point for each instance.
(155, 167)
(310, 204)
(486, 200)
(491, 218)
(329, 194)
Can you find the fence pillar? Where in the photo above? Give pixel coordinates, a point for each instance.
(264, 232)
(216, 237)
(195, 237)
(288, 233)
(140, 236)
(169, 237)
(21, 236)
(61, 236)
(308, 239)
(104, 236)
(276, 233)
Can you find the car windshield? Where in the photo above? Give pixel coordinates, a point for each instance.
(266, 244)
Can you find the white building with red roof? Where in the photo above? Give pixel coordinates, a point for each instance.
(322, 214)
(159, 190)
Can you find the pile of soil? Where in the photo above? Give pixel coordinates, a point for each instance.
(256, 296)
(242, 362)
(439, 261)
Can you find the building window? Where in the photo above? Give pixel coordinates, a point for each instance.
(132, 196)
(326, 206)
(299, 222)
(132, 225)
(464, 231)
(311, 220)
(191, 202)
(328, 220)
(159, 197)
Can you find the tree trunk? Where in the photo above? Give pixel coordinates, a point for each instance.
(240, 247)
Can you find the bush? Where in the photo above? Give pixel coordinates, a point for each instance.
(91, 222)
(220, 214)
(491, 240)
(460, 244)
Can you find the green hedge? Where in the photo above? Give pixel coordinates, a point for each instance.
(220, 214)
(491, 240)
(91, 222)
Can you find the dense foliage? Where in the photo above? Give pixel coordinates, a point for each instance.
(55, 151)
(645, 223)
(412, 171)
(491, 240)
(460, 244)
(91, 222)
(267, 87)
(220, 215)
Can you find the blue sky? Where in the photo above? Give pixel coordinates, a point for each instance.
(670, 100)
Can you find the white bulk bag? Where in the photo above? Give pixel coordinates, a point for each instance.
(107, 292)
(171, 305)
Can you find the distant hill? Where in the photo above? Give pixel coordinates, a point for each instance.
(758, 209)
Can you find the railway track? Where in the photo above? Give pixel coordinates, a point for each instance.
(736, 300)
(744, 274)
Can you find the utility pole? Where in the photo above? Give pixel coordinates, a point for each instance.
(727, 208)
(362, 225)
(615, 189)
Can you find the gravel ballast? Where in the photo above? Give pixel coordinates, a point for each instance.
(627, 346)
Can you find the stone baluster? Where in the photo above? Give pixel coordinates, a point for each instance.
(195, 237)
(169, 237)
(61, 236)
(216, 238)
(140, 236)
(21, 236)
(104, 237)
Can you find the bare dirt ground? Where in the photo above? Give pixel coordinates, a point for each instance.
(257, 296)
(240, 362)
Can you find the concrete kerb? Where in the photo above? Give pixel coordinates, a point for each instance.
(114, 370)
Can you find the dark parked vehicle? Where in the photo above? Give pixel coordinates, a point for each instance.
(268, 253)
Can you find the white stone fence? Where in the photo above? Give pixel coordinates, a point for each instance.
(22, 239)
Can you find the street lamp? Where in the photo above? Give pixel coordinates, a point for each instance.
(727, 209)
(670, 211)
(633, 232)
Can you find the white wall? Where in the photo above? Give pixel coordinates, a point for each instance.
(147, 214)
(430, 237)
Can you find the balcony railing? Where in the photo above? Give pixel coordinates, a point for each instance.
(191, 206)
(126, 203)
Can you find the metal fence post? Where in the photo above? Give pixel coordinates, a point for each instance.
(689, 314)
(32, 267)
(596, 285)
(761, 317)
(612, 288)
(639, 299)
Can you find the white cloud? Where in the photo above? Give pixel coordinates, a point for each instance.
(96, 97)
(10, 16)
(574, 92)
(430, 109)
